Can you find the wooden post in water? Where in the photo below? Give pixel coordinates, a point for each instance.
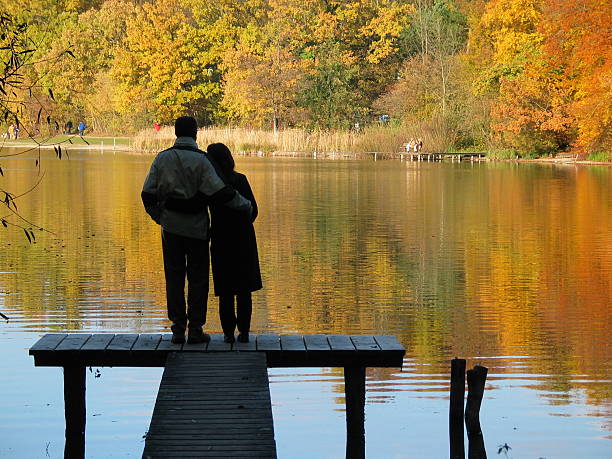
(354, 388)
(74, 412)
(455, 416)
(476, 379)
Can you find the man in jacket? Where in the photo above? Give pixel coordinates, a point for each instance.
(180, 182)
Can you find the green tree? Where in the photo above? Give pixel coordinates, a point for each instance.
(329, 91)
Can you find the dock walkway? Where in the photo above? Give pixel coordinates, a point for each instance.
(215, 405)
(75, 352)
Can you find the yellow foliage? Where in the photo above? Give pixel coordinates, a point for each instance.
(384, 29)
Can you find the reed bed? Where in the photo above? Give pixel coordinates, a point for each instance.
(372, 139)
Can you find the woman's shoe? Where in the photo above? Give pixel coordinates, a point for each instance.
(243, 337)
(178, 337)
(229, 339)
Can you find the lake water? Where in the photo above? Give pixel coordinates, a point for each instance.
(507, 265)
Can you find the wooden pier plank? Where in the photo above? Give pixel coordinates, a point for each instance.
(250, 346)
(166, 344)
(196, 347)
(48, 342)
(317, 343)
(73, 342)
(365, 343)
(268, 343)
(122, 342)
(293, 343)
(179, 429)
(388, 343)
(98, 342)
(217, 343)
(147, 342)
(341, 343)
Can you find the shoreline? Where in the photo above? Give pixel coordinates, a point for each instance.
(95, 144)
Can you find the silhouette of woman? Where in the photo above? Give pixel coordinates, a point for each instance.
(233, 251)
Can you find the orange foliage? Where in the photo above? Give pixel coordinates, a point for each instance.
(532, 110)
(579, 42)
(546, 66)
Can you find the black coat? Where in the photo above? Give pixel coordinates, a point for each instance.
(233, 247)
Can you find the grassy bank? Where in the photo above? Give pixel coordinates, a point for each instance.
(383, 139)
(386, 140)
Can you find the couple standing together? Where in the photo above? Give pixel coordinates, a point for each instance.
(183, 183)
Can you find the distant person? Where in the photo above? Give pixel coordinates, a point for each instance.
(419, 145)
(10, 131)
(156, 126)
(409, 146)
(81, 127)
(180, 184)
(68, 128)
(233, 252)
(16, 131)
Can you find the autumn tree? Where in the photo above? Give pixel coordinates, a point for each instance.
(578, 45)
(545, 67)
(430, 87)
(164, 70)
(260, 87)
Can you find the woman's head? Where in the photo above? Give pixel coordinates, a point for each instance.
(222, 156)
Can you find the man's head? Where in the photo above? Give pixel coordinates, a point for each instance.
(186, 126)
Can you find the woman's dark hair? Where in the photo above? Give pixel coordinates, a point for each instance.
(223, 157)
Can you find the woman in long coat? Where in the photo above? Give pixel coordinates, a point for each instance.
(233, 251)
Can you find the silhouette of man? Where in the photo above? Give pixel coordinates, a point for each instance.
(175, 194)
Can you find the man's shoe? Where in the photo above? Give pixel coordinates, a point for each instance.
(229, 339)
(243, 337)
(196, 336)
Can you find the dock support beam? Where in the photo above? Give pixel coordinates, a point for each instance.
(354, 387)
(476, 379)
(74, 411)
(455, 418)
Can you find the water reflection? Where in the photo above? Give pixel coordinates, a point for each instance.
(507, 265)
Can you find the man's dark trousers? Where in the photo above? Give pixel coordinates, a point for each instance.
(186, 255)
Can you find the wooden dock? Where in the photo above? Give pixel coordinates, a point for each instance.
(421, 156)
(210, 362)
(374, 155)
